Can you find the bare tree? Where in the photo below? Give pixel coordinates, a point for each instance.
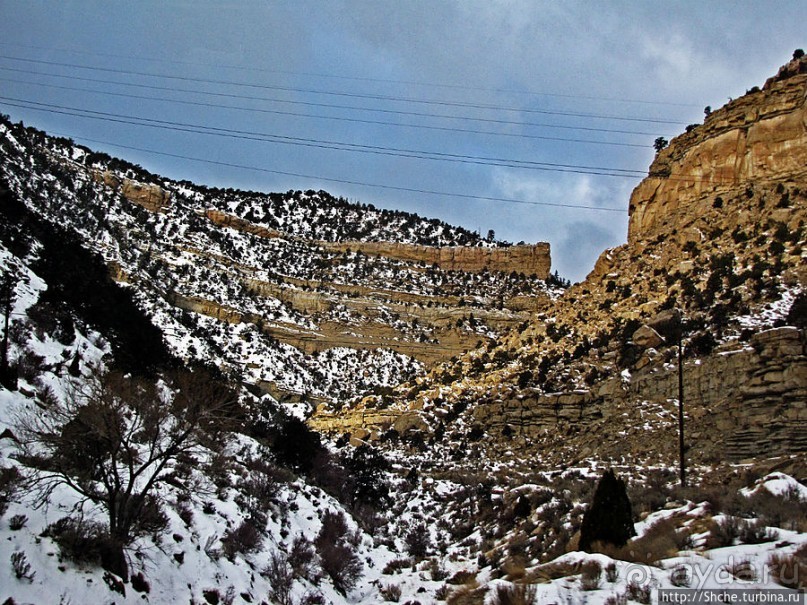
(113, 438)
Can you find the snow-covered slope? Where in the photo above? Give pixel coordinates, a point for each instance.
(267, 302)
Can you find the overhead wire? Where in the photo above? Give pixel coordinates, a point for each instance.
(346, 181)
(319, 143)
(325, 117)
(356, 78)
(231, 95)
(332, 145)
(430, 102)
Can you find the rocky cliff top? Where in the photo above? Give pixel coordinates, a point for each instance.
(758, 139)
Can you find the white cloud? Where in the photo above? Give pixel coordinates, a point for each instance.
(577, 236)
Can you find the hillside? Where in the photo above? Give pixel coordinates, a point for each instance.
(298, 293)
(717, 236)
(159, 335)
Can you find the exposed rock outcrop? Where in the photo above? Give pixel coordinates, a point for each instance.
(527, 259)
(717, 232)
(760, 137)
(740, 403)
(151, 197)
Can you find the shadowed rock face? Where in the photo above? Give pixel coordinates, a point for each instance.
(760, 137)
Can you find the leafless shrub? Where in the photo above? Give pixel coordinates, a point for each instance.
(742, 570)
(441, 594)
(337, 555)
(437, 571)
(301, 558)
(787, 510)
(127, 432)
(790, 571)
(680, 576)
(638, 592)
(611, 572)
(342, 565)
(395, 566)
(514, 594)
(30, 366)
(78, 540)
(185, 512)
(9, 481)
(590, 575)
(390, 592)
(617, 599)
(723, 532)
(210, 549)
(313, 598)
(244, 539)
(755, 532)
(417, 541)
(21, 566)
(280, 576)
(17, 522)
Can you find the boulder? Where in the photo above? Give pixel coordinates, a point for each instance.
(647, 338)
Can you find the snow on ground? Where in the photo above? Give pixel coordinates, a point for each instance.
(778, 484)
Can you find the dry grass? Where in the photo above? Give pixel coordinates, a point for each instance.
(590, 574)
(663, 539)
(514, 594)
(468, 594)
(790, 571)
(552, 571)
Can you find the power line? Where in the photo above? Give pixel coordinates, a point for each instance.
(324, 117)
(334, 106)
(345, 94)
(319, 143)
(344, 181)
(357, 78)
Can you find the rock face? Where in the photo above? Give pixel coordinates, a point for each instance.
(228, 220)
(528, 259)
(151, 197)
(717, 237)
(740, 404)
(759, 137)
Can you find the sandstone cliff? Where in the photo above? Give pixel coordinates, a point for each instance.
(757, 139)
(717, 231)
(529, 259)
(151, 197)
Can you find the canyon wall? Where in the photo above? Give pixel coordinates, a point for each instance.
(756, 139)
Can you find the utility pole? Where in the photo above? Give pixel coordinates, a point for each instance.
(6, 300)
(681, 405)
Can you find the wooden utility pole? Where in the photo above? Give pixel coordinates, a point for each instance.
(6, 298)
(681, 407)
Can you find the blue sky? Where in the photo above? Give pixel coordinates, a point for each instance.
(406, 78)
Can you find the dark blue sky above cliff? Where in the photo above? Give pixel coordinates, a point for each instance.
(545, 104)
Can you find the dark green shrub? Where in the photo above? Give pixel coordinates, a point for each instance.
(797, 315)
(417, 541)
(609, 519)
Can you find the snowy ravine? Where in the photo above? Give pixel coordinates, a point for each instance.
(184, 562)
